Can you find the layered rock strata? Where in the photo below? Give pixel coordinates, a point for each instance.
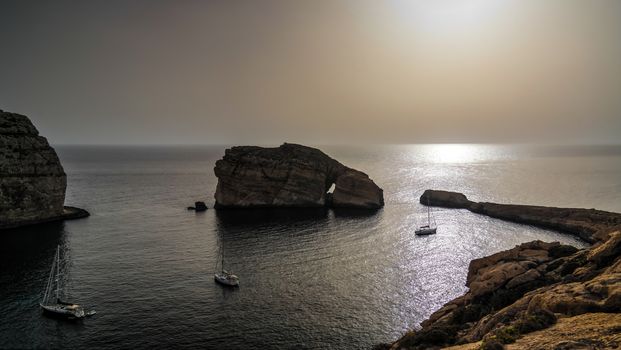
(290, 176)
(32, 180)
(531, 287)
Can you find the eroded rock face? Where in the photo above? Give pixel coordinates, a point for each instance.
(354, 188)
(290, 176)
(32, 180)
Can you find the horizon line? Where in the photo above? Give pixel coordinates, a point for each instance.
(330, 144)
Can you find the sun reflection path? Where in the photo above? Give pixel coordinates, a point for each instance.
(454, 153)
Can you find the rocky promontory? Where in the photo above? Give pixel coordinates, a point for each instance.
(290, 176)
(32, 180)
(590, 225)
(537, 295)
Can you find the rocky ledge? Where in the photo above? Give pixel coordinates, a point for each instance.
(590, 225)
(290, 176)
(32, 180)
(531, 294)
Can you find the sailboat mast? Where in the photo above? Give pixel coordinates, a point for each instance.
(428, 215)
(50, 280)
(57, 271)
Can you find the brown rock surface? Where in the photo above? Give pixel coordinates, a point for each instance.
(585, 332)
(290, 176)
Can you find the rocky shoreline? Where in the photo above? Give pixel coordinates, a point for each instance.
(69, 213)
(527, 296)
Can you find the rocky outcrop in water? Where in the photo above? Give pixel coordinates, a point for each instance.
(531, 293)
(32, 180)
(590, 225)
(290, 176)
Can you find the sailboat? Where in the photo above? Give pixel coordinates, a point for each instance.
(51, 303)
(224, 277)
(428, 229)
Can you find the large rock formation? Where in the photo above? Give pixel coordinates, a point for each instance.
(32, 180)
(531, 287)
(290, 176)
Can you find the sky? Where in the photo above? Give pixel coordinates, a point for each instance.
(316, 72)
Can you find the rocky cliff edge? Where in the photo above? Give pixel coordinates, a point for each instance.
(32, 180)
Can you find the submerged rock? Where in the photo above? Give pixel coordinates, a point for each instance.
(290, 176)
(32, 180)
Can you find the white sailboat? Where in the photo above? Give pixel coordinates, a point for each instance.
(51, 302)
(428, 229)
(224, 277)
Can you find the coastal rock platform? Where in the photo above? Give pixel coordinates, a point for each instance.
(590, 225)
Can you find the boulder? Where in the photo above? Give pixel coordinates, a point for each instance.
(444, 199)
(290, 176)
(200, 206)
(607, 250)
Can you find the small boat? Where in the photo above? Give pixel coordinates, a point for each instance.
(224, 277)
(52, 304)
(428, 229)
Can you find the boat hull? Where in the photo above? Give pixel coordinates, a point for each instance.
(71, 312)
(425, 231)
(226, 280)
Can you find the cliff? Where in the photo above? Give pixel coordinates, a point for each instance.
(32, 180)
(532, 293)
(290, 176)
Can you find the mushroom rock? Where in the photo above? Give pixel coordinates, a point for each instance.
(290, 176)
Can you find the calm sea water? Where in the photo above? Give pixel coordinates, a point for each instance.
(309, 279)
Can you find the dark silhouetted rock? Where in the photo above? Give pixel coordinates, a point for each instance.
(32, 180)
(444, 199)
(200, 206)
(290, 176)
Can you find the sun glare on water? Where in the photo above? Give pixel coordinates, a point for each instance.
(452, 153)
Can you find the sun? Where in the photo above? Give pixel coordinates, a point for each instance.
(448, 16)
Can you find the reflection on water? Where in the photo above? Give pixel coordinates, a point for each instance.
(309, 279)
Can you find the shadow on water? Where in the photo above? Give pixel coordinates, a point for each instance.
(239, 218)
(26, 255)
(242, 230)
(31, 245)
(354, 212)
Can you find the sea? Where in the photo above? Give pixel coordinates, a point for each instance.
(309, 279)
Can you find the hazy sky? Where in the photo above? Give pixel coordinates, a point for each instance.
(391, 71)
